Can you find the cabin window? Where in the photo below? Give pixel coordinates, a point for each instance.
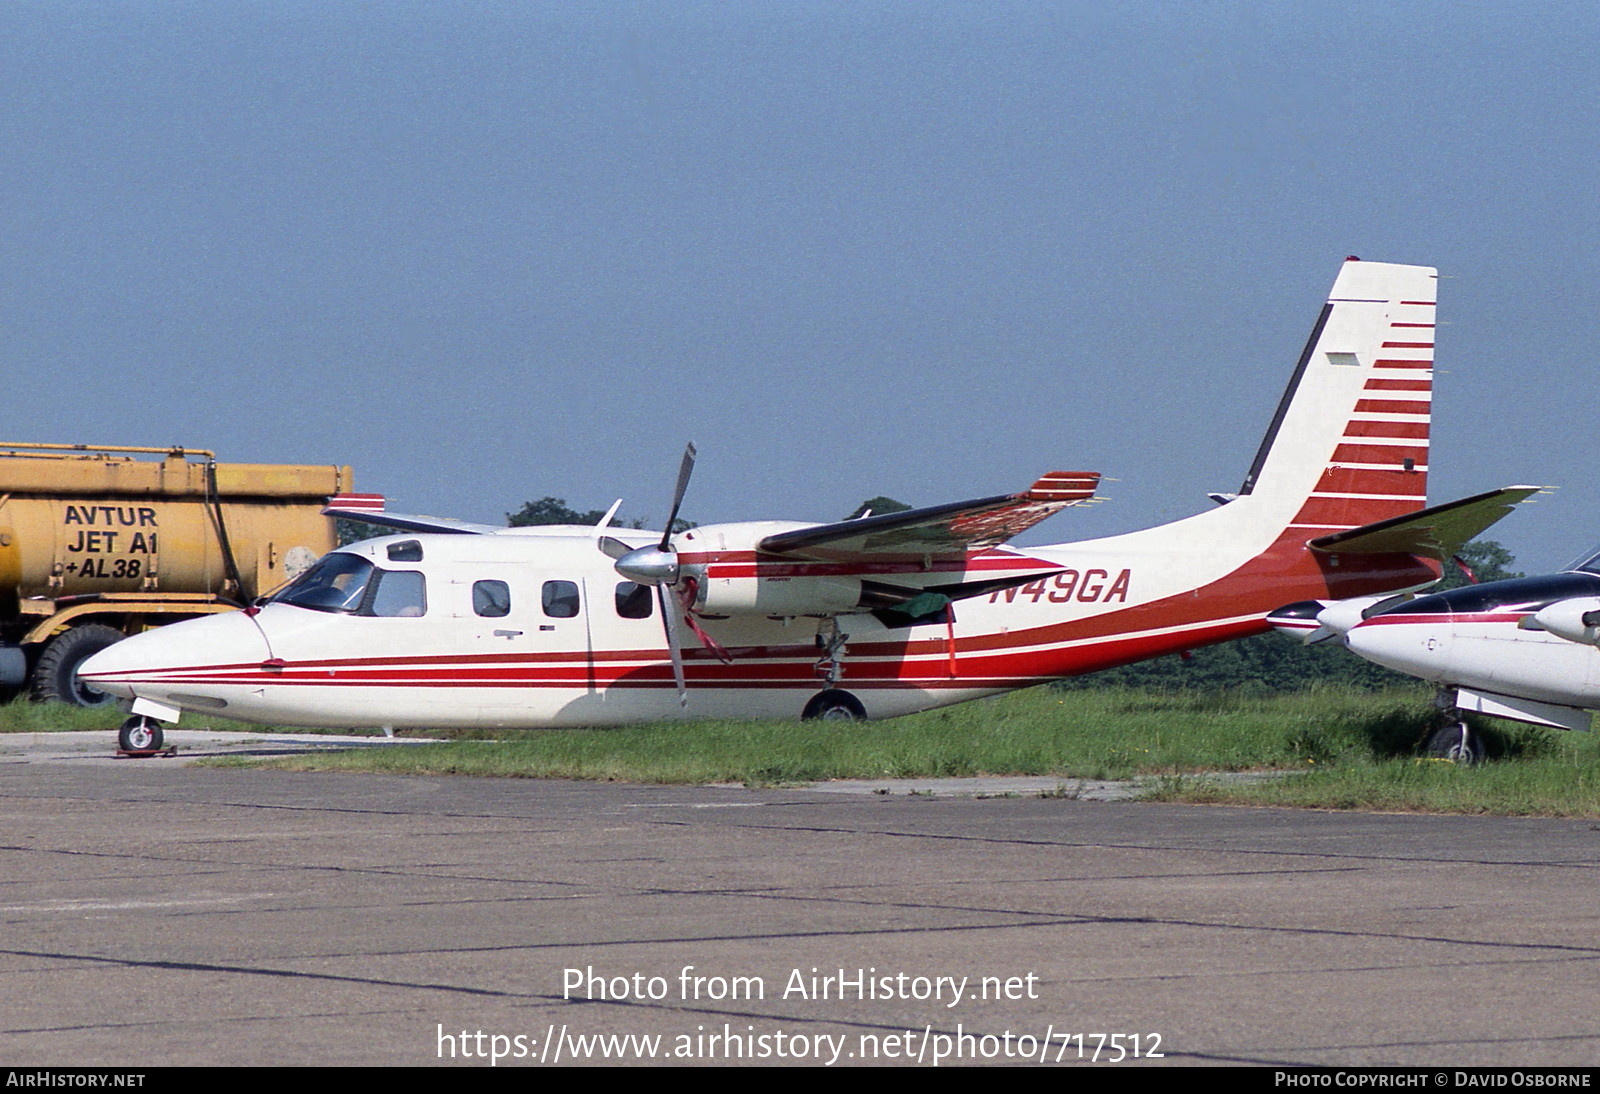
(397, 594)
(560, 599)
(407, 550)
(491, 599)
(336, 583)
(633, 601)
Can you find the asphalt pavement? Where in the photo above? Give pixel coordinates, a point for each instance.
(159, 913)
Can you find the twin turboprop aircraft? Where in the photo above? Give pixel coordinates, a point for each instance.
(452, 624)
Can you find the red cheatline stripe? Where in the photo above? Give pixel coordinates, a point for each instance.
(1421, 303)
(1389, 363)
(1428, 325)
(1392, 406)
(1408, 345)
(1507, 617)
(1378, 384)
(782, 568)
(1000, 668)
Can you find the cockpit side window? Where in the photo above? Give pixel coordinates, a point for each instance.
(335, 583)
(398, 594)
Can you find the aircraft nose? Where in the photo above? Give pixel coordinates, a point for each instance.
(178, 657)
(1415, 649)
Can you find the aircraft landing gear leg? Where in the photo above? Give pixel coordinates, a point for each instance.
(830, 666)
(1454, 740)
(832, 704)
(141, 733)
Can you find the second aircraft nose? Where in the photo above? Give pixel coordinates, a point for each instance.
(1416, 649)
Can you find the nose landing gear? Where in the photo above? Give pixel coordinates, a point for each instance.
(1454, 740)
(140, 736)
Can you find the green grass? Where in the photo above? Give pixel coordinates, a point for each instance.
(1341, 747)
(1114, 733)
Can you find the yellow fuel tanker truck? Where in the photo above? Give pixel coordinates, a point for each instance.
(97, 543)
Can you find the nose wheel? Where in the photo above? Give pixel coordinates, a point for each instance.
(140, 733)
(1454, 741)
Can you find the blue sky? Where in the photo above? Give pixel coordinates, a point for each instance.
(486, 252)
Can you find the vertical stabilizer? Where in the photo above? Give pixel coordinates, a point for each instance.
(1350, 437)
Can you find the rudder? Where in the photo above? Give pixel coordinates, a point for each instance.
(1350, 438)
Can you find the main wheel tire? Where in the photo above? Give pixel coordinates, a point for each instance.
(834, 705)
(55, 677)
(140, 734)
(1455, 742)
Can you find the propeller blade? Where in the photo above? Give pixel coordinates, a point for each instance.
(669, 609)
(685, 469)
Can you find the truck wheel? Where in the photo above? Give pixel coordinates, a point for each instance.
(55, 677)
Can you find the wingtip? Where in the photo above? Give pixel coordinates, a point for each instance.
(1064, 486)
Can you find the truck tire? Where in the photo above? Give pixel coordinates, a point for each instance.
(55, 677)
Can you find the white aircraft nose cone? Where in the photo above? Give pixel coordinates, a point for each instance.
(1414, 648)
(178, 656)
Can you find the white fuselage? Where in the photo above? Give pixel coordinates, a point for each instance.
(558, 660)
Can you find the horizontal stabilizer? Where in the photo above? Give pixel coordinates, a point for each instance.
(406, 523)
(953, 529)
(368, 503)
(1437, 532)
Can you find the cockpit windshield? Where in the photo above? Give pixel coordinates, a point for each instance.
(351, 585)
(336, 583)
(1589, 564)
(1522, 594)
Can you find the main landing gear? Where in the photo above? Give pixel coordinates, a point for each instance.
(141, 734)
(833, 704)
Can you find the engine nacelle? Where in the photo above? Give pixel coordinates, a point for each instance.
(1341, 615)
(1569, 619)
(781, 596)
(732, 579)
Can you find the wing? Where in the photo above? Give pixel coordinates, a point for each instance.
(1437, 532)
(939, 530)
